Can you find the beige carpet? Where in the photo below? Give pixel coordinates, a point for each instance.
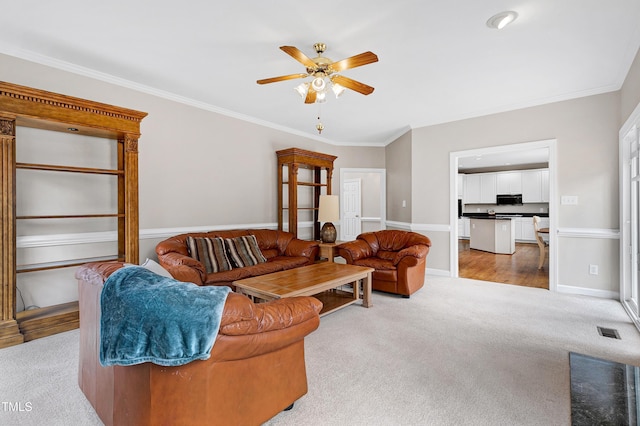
(459, 352)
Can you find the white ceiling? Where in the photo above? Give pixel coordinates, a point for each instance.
(438, 60)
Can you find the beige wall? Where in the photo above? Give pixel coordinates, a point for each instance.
(587, 159)
(399, 179)
(631, 90)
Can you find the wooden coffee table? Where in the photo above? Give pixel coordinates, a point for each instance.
(319, 280)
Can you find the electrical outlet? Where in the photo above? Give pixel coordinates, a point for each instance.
(593, 269)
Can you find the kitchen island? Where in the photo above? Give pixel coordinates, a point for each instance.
(493, 234)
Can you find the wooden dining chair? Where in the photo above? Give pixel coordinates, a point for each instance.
(541, 242)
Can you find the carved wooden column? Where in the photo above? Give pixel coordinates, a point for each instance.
(128, 199)
(9, 330)
(293, 198)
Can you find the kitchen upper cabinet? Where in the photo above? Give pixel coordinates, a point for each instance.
(460, 186)
(480, 188)
(509, 183)
(488, 188)
(472, 189)
(544, 178)
(532, 186)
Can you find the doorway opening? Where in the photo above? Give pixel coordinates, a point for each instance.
(499, 153)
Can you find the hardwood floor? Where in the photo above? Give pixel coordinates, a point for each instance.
(520, 268)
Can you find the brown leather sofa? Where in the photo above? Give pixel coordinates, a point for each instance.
(398, 257)
(281, 249)
(256, 368)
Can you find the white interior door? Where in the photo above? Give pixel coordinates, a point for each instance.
(351, 221)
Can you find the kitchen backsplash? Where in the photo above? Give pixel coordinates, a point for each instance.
(525, 208)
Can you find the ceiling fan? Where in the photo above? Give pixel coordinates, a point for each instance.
(320, 68)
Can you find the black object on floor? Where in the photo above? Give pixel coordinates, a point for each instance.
(603, 392)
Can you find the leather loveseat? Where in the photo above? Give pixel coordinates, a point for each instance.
(398, 257)
(256, 368)
(281, 249)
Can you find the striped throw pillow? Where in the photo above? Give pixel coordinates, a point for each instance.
(244, 251)
(211, 252)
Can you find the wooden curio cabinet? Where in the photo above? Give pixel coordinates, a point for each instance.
(32, 108)
(292, 202)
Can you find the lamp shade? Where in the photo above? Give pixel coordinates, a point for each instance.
(329, 208)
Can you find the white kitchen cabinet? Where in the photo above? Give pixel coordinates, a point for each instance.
(535, 186)
(460, 186)
(528, 233)
(463, 227)
(488, 188)
(544, 180)
(531, 186)
(518, 228)
(509, 183)
(471, 189)
(480, 188)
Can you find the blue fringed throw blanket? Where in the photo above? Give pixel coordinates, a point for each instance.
(150, 318)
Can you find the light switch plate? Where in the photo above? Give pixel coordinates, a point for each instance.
(569, 200)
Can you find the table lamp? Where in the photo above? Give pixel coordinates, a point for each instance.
(328, 211)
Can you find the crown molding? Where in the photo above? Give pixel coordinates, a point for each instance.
(40, 59)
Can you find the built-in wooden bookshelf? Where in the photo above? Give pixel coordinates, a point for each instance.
(28, 107)
(294, 159)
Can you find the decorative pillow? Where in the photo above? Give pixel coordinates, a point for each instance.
(244, 251)
(211, 252)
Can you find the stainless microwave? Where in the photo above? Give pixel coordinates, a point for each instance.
(509, 199)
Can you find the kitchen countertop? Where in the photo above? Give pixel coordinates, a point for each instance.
(492, 216)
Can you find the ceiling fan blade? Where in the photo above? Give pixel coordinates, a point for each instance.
(354, 61)
(311, 96)
(281, 78)
(297, 54)
(352, 84)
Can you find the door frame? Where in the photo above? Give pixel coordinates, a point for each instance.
(625, 216)
(551, 144)
(383, 193)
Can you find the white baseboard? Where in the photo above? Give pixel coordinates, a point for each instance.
(603, 294)
(438, 272)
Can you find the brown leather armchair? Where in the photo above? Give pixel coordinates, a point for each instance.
(398, 257)
(256, 368)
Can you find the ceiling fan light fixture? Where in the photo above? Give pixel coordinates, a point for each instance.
(302, 89)
(321, 97)
(338, 90)
(502, 19)
(318, 84)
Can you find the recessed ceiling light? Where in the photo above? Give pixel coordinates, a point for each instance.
(502, 19)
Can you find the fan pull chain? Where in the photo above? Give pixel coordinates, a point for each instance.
(319, 126)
